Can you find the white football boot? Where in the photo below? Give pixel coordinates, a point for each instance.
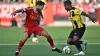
(81, 53)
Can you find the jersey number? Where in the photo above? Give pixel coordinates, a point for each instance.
(32, 17)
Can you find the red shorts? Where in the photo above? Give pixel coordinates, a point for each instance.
(37, 30)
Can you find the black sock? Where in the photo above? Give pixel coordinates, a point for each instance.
(81, 42)
(34, 35)
(78, 46)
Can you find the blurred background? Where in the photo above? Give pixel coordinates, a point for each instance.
(54, 13)
(55, 21)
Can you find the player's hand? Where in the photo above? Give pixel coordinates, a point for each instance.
(94, 20)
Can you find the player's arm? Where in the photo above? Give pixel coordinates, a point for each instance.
(17, 11)
(41, 14)
(92, 19)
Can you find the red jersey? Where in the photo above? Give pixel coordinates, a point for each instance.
(31, 18)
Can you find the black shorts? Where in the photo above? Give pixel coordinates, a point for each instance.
(77, 32)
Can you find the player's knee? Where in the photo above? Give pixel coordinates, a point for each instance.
(48, 36)
(74, 40)
(69, 42)
(24, 39)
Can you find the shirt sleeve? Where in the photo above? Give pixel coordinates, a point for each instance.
(78, 11)
(25, 10)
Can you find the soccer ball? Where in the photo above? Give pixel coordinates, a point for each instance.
(35, 40)
(66, 50)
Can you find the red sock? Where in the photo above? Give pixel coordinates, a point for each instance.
(51, 42)
(21, 43)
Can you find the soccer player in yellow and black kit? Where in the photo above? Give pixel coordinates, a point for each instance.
(78, 26)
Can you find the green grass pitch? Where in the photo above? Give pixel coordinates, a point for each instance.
(10, 37)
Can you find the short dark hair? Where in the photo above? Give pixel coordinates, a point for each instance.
(40, 3)
(67, 2)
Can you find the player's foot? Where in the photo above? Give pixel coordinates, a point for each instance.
(57, 50)
(35, 40)
(81, 53)
(85, 44)
(17, 54)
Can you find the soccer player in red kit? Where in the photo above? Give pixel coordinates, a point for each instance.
(31, 26)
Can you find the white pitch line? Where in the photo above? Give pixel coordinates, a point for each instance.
(47, 44)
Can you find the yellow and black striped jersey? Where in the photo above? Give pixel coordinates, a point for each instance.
(75, 17)
(32, 3)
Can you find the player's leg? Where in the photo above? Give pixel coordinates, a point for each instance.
(21, 43)
(70, 38)
(69, 41)
(76, 40)
(35, 39)
(50, 41)
(78, 45)
(82, 42)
